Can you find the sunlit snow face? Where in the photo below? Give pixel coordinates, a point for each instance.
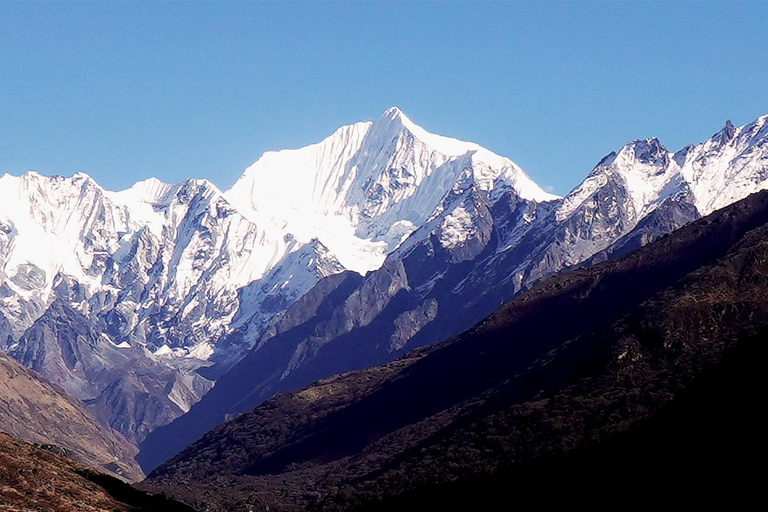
(714, 174)
(363, 190)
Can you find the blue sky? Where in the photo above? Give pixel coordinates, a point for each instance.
(124, 91)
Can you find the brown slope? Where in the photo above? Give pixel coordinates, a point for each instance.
(33, 479)
(37, 411)
(578, 360)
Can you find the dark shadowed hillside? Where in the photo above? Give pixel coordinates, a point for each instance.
(597, 373)
(698, 452)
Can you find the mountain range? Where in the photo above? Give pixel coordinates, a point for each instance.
(643, 394)
(483, 246)
(338, 256)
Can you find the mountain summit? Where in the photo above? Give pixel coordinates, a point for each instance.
(367, 187)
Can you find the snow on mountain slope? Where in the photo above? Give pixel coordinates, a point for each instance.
(48, 226)
(143, 245)
(141, 201)
(364, 189)
(729, 166)
(642, 168)
(40, 217)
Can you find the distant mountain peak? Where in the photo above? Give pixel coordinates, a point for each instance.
(649, 150)
(396, 119)
(727, 133)
(393, 113)
(151, 190)
(366, 187)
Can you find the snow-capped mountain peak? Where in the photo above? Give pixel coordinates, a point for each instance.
(151, 191)
(395, 119)
(645, 151)
(368, 186)
(732, 164)
(511, 173)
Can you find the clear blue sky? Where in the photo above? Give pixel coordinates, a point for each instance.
(124, 91)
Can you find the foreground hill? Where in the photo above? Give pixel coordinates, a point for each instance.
(43, 478)
(37, 411)
(599, 366)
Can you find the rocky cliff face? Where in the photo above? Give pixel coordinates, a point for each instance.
(126, 388)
